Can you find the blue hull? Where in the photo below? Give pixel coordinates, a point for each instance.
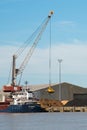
(25, 108)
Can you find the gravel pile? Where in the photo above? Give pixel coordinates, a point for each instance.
(77, 102)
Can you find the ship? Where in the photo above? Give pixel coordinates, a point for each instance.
(22, 100)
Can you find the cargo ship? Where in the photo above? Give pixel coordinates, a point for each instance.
(21, 102)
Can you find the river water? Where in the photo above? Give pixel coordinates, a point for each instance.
(44, 121)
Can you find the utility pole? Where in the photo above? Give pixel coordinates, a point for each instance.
(60, 93)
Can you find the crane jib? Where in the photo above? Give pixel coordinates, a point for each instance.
(15, 71)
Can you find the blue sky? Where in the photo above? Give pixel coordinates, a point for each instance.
(20, 18)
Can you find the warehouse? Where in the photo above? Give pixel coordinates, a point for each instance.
(67, 91)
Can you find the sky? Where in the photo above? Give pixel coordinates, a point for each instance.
(20, 18)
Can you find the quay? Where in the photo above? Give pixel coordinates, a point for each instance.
(73, 98)
(67, 109)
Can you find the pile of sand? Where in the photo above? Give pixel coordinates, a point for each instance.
(50, 103)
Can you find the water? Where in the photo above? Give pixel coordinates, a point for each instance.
(44, 121)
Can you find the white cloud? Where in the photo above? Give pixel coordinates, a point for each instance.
(67, 23)
(74, 59)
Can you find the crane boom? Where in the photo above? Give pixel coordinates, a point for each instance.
(29, 54)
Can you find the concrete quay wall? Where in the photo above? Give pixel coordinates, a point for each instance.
(67, 109)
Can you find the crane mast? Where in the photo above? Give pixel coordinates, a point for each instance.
(15, 71)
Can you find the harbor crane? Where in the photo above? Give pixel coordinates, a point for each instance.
(17, 71)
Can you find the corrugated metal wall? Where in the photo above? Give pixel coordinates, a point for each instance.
(67, 92)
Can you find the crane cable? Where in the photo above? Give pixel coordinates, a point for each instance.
(50, 57)
(25, 44)
(50, 89)
(9, 74)
(30, 52)
(23, 47)
(28, 41)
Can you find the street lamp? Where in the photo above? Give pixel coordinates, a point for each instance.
(26, 83)
(60, 60)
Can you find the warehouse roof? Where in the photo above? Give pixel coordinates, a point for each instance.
(64, 84)
(38, 87)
